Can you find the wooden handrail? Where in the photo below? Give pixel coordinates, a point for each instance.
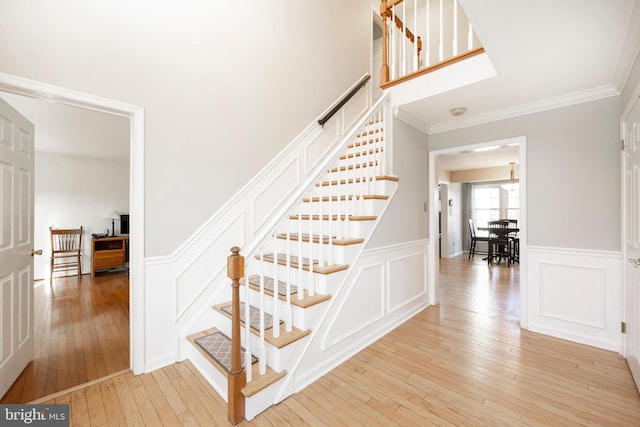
(340, 103)
(237, 375)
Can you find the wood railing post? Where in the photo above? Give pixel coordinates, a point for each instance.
(237, 375)
(384, 69)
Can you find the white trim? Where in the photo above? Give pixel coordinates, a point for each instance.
(47, 92)
(433, 264)
(522, 110)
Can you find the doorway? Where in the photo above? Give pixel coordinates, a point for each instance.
(434, 217)
(135, 114)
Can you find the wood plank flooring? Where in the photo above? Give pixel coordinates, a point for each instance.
(81, 331)
(463, 363)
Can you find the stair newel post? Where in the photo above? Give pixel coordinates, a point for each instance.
(276, 312)
(384, 69)
(237, 377)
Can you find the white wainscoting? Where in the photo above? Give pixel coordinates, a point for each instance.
(386, 287)
(181, 288)
(576, 295)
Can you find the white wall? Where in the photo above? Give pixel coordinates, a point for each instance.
(573, 171)
(225, 85)
(71, 191)
(405, 219)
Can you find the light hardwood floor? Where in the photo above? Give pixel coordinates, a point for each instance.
(81, 331)
(463, 363)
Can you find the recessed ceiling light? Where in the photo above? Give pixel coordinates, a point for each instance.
(493, 147)
(458, 111)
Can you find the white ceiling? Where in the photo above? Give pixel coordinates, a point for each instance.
(547, 53)
(61, 128)
(542, 50)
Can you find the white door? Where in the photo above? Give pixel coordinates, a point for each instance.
(631, 244)
(16, 244)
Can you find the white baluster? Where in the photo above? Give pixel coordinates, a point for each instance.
(263, 354)
(415, 35)
(331, 204)
(441, 33)
(321, 224)
(300, 275)
(276, 312)
(404, 38)
(427, 51)
(289, 312)
(455, 28)
(247, 330)
(311, 286)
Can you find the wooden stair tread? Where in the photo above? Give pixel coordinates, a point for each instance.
(350, 167)
(350, 181)
(307, 301)
(335, 217)
(325, 269)
(361, 153)
(258, 383)
(316, 239)
(283, 340)
(351, 197)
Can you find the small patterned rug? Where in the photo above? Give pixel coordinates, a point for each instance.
(268, 285)
(254, 317)
(293, 259)
(218, 346)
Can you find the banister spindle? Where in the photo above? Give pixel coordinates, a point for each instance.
(276, 311)
(237, 378)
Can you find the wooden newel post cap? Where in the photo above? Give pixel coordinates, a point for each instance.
(235, 264)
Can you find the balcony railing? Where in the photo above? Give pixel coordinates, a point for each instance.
(420, 36)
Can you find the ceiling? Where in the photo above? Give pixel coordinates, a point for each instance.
(547, 53)
(542, 50)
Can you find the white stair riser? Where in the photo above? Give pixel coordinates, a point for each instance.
(337, 253)
(343, 228)
(305, 279)
(380, 187)
(357, 206)
(300, 316)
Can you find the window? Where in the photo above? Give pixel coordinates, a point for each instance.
(492, 202)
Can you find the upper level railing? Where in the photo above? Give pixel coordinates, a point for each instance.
(420, 36)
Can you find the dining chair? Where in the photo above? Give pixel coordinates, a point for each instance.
(499, 242)
(66, 248)
(474, 238)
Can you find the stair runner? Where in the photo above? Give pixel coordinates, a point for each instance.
(254, 316)
(268, 285)
(218, 346)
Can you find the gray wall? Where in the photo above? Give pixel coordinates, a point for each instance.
(405, 219)
(225, 85)
(573, 171)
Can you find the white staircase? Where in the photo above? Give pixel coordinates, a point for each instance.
(314, 245)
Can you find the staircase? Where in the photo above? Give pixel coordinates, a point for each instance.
(295, 272)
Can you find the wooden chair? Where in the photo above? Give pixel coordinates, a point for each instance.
(66, 247)
(499, 242)
(474, 238)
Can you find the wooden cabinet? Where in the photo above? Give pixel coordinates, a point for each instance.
(108, 252)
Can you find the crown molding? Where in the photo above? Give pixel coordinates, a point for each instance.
(523, 110)
(410, 119)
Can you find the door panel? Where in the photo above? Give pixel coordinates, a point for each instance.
(16, 244)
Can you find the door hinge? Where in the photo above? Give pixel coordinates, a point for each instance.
(622, 145)
(623, 327)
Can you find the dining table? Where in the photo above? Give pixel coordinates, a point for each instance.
(506, 232)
